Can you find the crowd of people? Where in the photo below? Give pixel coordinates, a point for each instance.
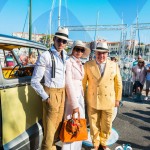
(97, 83)
(24, 59)
(140, 77)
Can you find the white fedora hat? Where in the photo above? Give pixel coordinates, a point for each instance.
(62, 33)
(102, 47)
(80, 44)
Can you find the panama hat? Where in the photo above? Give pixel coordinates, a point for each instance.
(80, 44)
(102, 47)
(62, 33)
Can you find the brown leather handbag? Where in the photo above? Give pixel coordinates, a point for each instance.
(73, 129)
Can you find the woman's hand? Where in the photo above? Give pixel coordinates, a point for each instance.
(76, 110)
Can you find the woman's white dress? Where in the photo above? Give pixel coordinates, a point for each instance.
(74, 90)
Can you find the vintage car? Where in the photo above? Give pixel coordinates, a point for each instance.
(20, 106)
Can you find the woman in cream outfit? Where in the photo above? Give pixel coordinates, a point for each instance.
(74, 90)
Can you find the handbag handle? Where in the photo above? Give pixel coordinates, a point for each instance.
(73, 117)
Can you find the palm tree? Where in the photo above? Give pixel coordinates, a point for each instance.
(47, 40)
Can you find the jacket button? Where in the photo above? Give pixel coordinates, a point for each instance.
(105, 95)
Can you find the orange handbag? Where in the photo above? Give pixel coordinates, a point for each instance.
(73, 129)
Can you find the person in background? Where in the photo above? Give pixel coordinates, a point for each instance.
(147, 81)
(51, 66)
(113, 59)
(24, 58)
(9, 60)
(90, 58)
(32, 58)
(74, 75)
(139, 74)
(136, 61)
(133, 77)
(104, 92)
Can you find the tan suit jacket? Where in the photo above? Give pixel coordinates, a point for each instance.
(102, 91)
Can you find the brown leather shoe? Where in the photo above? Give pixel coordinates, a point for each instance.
(95, 148)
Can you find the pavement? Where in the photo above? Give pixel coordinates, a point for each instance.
(132, 124)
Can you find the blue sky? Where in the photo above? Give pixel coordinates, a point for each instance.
(75, 12)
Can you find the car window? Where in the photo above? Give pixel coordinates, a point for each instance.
(18, 62)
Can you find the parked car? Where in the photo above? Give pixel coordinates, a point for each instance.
(20, 106)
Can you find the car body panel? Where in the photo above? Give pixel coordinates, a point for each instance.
(20, 111)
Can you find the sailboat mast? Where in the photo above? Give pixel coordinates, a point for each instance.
(30, 20)
(95, 36)
(59, 13)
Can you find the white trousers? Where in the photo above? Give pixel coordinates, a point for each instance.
(68, 112)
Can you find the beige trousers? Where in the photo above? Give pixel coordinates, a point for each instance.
(100, 125)
(52, 117)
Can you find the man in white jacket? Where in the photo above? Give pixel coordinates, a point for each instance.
(51, 66)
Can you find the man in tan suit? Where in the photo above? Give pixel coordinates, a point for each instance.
(103, 94)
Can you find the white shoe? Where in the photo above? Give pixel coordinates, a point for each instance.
(146, 98)
(119, 148)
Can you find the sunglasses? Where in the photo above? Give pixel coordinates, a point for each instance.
(82, 50)
(61, 41)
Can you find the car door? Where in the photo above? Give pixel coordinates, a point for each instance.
(21, 109)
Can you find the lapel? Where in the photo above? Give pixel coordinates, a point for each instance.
(95, 69)
(75, 65)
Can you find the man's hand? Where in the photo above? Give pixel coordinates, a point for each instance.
(48, 100)
(117, 103)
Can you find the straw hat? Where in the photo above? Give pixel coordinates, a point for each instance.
(141, 60)
(102, 47)
(80, 44)
(62, 33)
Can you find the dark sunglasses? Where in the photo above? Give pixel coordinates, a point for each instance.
(82, 50)
(61, 41)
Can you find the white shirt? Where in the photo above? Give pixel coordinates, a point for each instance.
(43, 68)
(138, 73)
(102, 67)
